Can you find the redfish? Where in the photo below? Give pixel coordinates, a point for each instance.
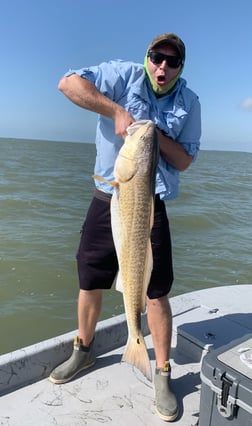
(132, 215)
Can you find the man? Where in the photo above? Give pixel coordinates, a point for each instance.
(121, 93)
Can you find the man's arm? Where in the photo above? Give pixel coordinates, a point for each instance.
(83, 93)
(173, 152)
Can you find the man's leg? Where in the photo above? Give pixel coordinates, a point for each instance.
(83, 357)
(160, 325)
(89, 308)
(97, 267)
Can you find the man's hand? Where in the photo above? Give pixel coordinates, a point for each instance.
(122, 119)
(84, 94)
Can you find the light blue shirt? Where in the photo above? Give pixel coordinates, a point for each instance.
(176, 114)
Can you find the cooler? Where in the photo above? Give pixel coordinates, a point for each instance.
(226, 385)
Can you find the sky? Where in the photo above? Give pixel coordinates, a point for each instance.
(41, 40)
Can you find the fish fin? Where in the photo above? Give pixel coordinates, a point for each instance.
(152, 213)
(124, 169)
(102, 179)
(119, 284)
(147, 275)
(117, 233)
(137, 355)
(148, 263)
(116, 220)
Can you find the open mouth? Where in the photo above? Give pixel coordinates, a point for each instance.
(161, 79)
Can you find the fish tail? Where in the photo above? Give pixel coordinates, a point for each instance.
(137, 355)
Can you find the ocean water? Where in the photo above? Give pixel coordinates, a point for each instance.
(45, 190)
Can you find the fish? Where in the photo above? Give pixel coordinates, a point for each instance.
(132, 217)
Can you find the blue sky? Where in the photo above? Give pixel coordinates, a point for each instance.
(41, 40)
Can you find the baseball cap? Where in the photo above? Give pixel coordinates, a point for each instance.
(171, 39)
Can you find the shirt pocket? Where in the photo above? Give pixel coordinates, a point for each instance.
(175, 120)
(137, 107)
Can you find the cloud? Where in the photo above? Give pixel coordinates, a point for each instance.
(246, 104)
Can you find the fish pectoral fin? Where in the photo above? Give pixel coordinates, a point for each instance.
(137, 355)
(109, 182)
(125, 169)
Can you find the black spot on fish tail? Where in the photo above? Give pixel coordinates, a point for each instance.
(136, 354)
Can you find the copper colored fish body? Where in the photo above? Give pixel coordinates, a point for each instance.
(132, 212)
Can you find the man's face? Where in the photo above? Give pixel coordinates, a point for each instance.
(160, 71)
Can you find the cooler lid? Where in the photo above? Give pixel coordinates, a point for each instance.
(239, 358)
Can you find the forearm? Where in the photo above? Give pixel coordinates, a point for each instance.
(173, 152)
(83, 93)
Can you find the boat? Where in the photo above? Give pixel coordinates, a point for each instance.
(113, 392)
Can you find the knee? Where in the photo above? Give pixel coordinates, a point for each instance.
(161, 302)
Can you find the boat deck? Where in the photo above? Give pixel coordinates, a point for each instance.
(115, 393)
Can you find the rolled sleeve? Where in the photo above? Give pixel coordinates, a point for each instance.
(190, 134)
(111, 78)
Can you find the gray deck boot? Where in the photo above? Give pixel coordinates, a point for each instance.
(166, 402)
(82, 357)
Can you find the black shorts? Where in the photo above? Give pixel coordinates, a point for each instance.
(96, 257)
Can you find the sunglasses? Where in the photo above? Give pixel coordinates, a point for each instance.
(157, 58)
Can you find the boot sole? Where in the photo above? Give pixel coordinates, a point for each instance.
(62, 381)
(167, 418)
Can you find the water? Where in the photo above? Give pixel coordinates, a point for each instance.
(45, 190)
